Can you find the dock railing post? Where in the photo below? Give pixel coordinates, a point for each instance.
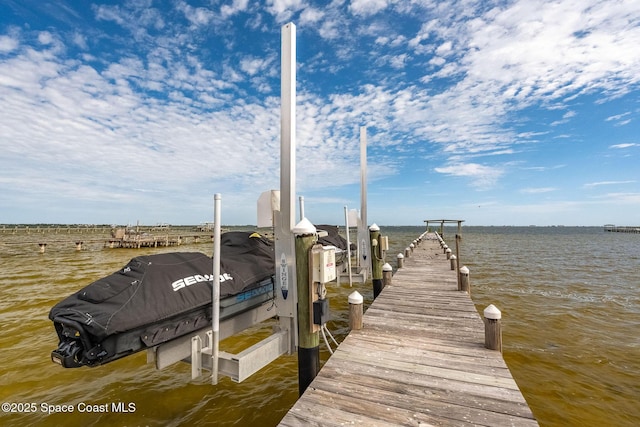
(492, 328)
(458, 238)
(376, 259)
(387, 274)
(464, 280)
(355, 310)
(308, 341)
(400, 259)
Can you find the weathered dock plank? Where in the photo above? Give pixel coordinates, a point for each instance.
(419, 360)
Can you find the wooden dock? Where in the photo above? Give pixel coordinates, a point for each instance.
(419, 360)
(621, 229)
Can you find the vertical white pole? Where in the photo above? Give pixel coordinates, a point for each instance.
(286, 292)
(288, 127)
(301, 199)
(215, 292)
(363, 175)
(346, 225)
(364, 251)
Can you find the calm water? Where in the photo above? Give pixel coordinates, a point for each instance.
(570, 299)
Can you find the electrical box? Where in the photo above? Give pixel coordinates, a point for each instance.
(324, 263)
(384, 243)
(321, 312)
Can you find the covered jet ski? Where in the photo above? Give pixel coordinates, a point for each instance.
(333, 238)
(156, 298)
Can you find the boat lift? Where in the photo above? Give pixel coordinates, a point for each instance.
(359, 272)
(201, 348)
(275, 209)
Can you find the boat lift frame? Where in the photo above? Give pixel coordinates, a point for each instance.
(201, 349)
(360, 272)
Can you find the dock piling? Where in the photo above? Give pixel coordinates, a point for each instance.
(308, 341)
(355, 310)
(464, 280)
(387, 272)
(400, 259)
(492, 328)
(376, 259)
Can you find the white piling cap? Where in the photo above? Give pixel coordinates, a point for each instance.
(304, 227)
(492, 312)
(453, 257)
(355, 298)
(387, 267)
(464, 270)
(448, 250)
(445, 247)
(400, 256)
(374, 227)
(412, 245)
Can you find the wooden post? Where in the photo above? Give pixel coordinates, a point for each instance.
(407, 252)
(387, 272)
(458, 238)
(79, 246)
(453, 262)
(376, 259)
(355, 311)
(464, 280)
(448, 252)
(412, 247)
(400, 259)
(308, 342)
(43, 247)
(492, 328)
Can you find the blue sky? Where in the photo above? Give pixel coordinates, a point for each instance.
(496, 112)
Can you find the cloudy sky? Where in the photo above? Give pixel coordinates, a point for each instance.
(497, 112)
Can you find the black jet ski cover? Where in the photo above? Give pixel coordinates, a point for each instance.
(162, 289)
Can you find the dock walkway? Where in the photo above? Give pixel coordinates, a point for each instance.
(419, 360)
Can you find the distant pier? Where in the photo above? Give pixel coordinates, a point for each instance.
(621, 229)
(81, 236)
(420, 359)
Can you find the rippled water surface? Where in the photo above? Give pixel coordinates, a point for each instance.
(570, 299)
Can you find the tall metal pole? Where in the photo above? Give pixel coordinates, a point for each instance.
(301, 200)
(286, 294)
(364, 248)
(215, 291)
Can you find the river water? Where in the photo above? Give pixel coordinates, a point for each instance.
(570, 300)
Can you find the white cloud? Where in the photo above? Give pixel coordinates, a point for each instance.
(311, 15)
(627, 145)
(367, 7)
(283, 10)
(483, 176)
(236, 7)
(538, 190)
(601, 183)
(8, 44)
(198, 16)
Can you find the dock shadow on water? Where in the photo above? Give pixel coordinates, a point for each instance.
(570, 299)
